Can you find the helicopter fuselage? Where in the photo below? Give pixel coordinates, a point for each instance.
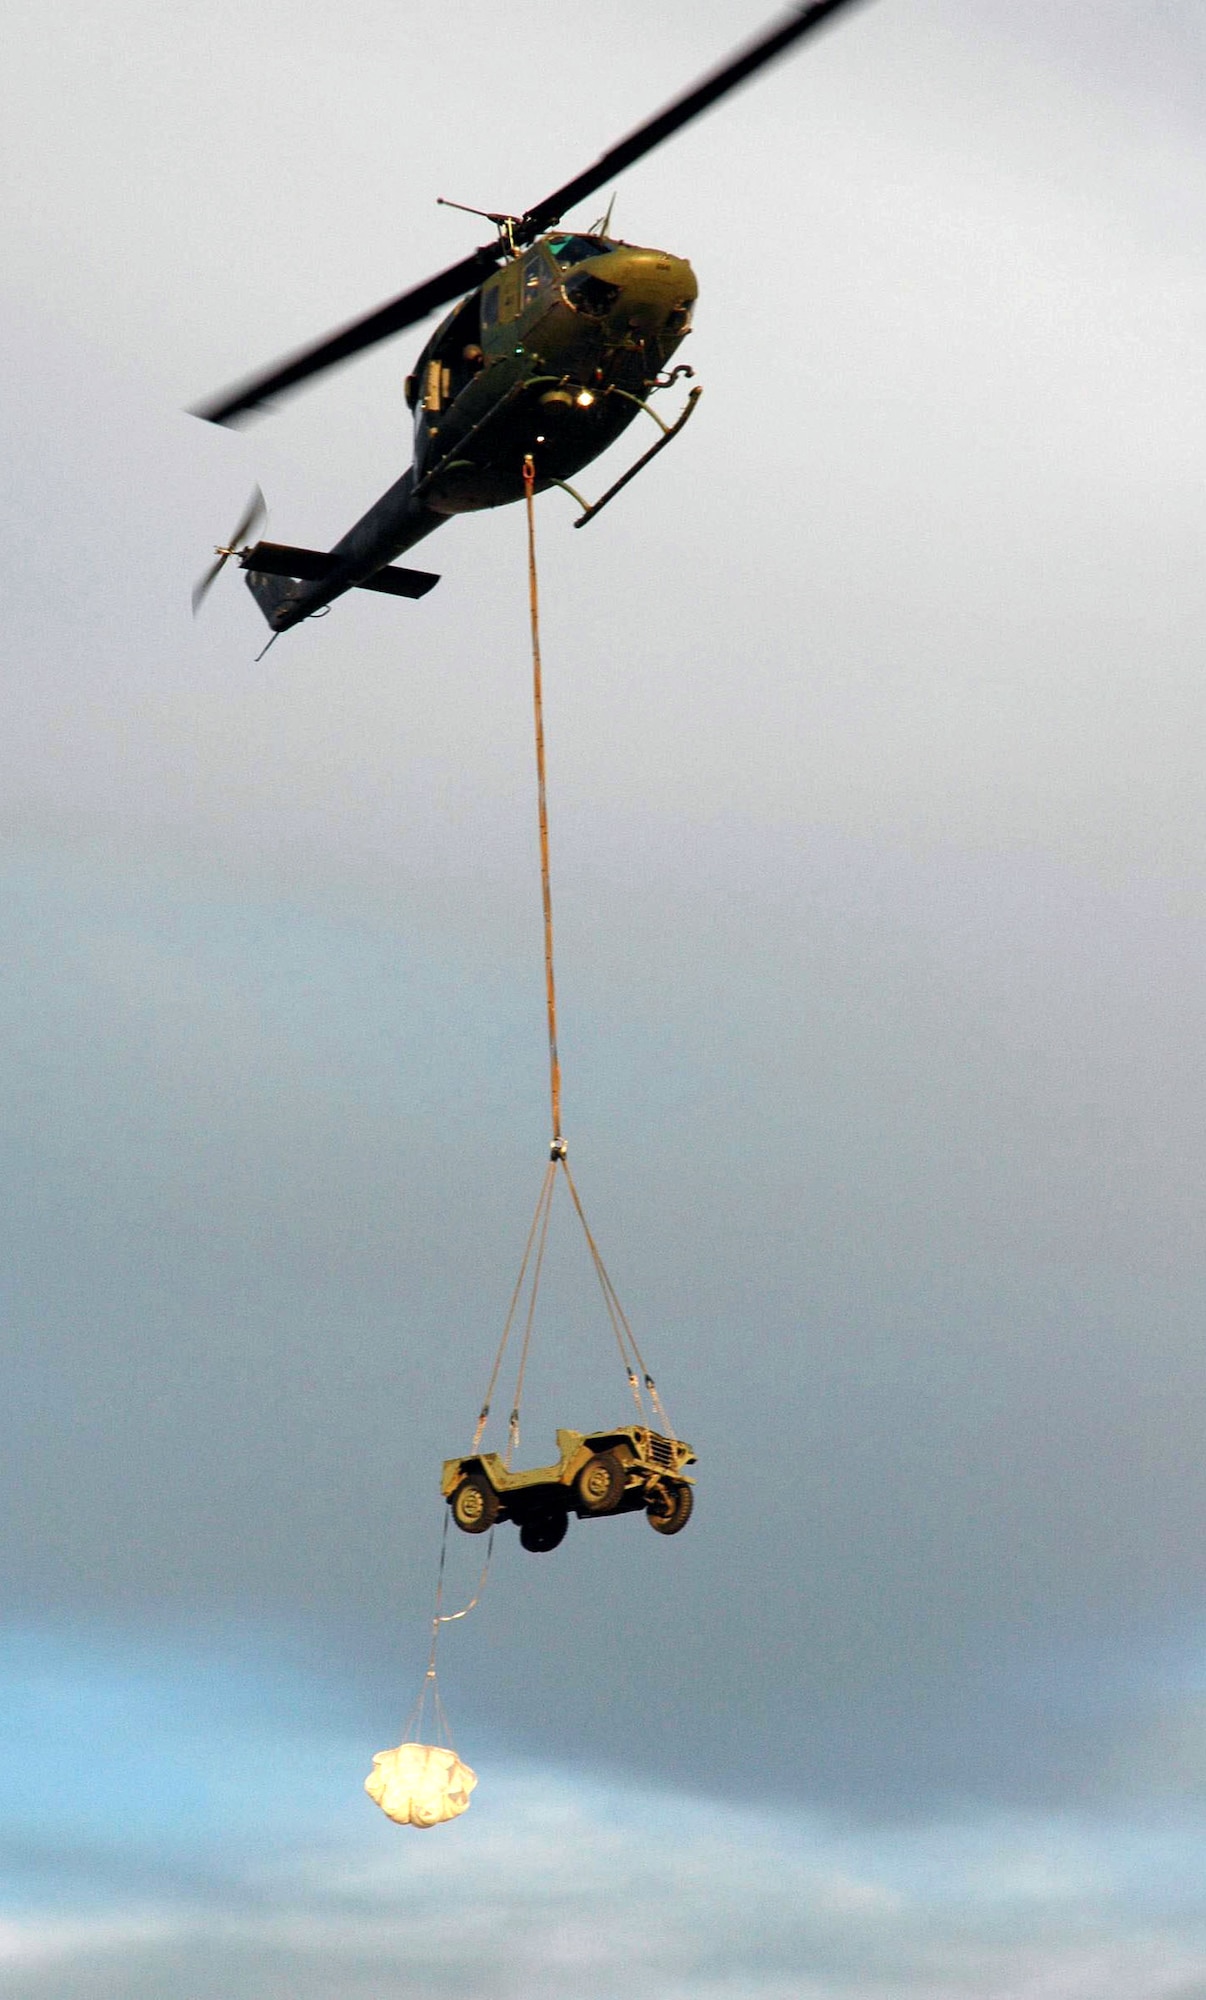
(552, 357)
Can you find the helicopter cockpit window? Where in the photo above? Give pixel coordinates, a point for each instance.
(490, 305)
(572, 249)
(533, 276)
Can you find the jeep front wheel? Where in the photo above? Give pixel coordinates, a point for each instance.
(475, 1505)
(668, 1508)
(600, 1484)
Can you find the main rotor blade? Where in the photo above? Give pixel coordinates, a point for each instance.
(401, 312)
(676, 115)
(246, 397)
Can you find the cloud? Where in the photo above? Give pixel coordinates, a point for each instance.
(563, 1880)
(272, 1872)
(266, 1161)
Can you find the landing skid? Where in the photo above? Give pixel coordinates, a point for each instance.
(669, 431)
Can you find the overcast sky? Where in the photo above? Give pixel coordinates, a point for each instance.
(875, 726)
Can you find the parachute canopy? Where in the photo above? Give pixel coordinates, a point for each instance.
(420, 1784)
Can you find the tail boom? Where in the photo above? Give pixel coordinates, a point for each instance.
(290, 584)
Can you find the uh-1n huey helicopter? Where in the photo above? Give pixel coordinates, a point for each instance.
(557, 342)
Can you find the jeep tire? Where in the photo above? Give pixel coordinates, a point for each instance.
(475, 1505)
(600, 1484)
(668, 1508)
(543, 1530)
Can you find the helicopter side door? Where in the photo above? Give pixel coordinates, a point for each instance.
(500, 297)
(508, 292)
(535, 279)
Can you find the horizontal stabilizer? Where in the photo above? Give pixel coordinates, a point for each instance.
(401, 582)
(311, 565)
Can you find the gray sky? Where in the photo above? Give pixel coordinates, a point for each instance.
(874, 720)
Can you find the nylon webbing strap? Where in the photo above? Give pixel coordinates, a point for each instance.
(529, 488)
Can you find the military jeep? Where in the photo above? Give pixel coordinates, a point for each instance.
(626, 1471)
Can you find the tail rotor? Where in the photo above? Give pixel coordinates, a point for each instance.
(254, 514)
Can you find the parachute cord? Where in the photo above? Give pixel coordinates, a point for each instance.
(431, 1688)
(529, 488)
(450, 1617)
(506, 1332)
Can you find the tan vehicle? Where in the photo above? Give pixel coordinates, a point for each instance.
(623, 1471)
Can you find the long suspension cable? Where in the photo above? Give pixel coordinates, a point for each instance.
(625, 1338)
(631, 1358)
(529, 489)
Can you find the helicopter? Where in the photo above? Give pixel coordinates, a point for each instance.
(557, 342)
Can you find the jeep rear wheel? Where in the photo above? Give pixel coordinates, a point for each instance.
(475, 1505)
(668, 1508)
(600, 1484)
(544, 1531)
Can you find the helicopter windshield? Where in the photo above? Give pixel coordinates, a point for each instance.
(572, 249)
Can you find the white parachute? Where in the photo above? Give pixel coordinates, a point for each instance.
(420, 1784)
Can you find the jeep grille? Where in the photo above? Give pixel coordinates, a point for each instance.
(660, 1451)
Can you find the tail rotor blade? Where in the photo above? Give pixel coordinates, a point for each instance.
(202, 587)
(256, 512)
(253, 514)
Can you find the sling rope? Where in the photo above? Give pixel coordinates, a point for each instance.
(513, 1422)
(616, 1313)
(484, 1413)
